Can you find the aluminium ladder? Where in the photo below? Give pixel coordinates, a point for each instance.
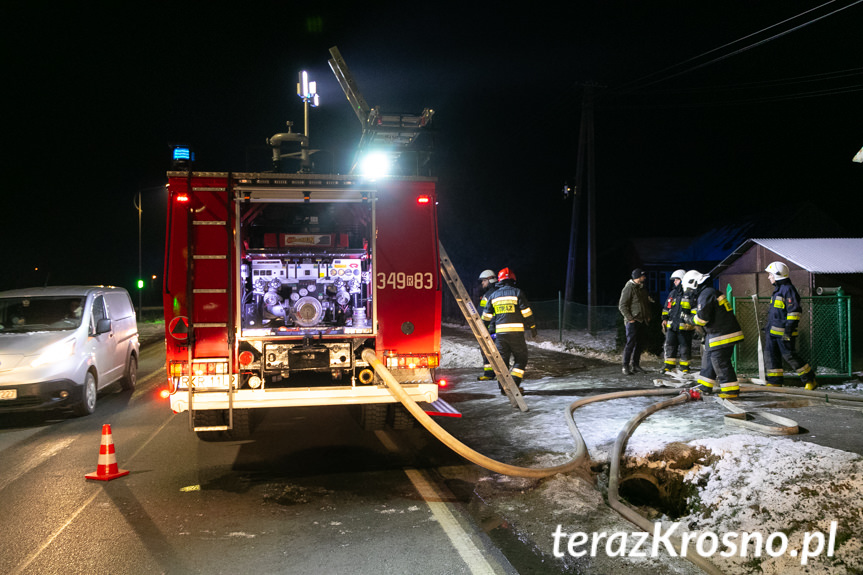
(479, 330)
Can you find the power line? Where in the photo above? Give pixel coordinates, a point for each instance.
(820, 77)
(638, 83)
(739, 101)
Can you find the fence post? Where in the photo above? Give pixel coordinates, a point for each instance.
(560, 314)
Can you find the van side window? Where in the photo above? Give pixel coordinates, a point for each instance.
(97, 313)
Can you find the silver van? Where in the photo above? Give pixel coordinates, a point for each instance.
(60, 345)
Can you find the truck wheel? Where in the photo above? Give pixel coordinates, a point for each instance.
(400, 418)
(130, 378)
(242, 424)
(373, 416)
(209, 418)
(87, 404)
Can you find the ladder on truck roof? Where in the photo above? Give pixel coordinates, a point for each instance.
(393, 132)
(209, 286)
(479, 330)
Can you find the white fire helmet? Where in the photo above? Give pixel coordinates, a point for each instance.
(678, 274)
(488, 275)
(778, 269)
(694, 278)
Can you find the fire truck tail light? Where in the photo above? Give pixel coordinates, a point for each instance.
(412, 361)
(182, 198)
(442, 383)
(246, 357)
(423, 200)
(179, 369)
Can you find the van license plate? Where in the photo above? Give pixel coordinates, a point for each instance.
(8, 393)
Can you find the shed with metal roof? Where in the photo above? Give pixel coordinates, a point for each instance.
(817, 267)
(814, 263)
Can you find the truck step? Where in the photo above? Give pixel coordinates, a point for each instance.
(211, 428)
(440, 408)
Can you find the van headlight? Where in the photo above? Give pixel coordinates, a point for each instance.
(55, 352)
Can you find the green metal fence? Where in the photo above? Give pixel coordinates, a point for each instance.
(824, 333)
(571, 316)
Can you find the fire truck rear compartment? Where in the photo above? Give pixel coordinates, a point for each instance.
(306, 269)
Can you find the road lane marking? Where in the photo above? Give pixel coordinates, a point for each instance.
(33, 556)
(469, 552)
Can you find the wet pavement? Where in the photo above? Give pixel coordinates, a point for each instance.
(530, 511)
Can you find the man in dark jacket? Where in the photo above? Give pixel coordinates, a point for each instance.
(634, 306)
(721, 333)
(507, 313)
(678, 333)
(781, 329)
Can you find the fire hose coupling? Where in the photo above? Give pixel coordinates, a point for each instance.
(694, 394)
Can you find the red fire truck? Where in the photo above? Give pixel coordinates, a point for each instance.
(276, 282)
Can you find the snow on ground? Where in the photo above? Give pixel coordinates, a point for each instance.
(757, 483)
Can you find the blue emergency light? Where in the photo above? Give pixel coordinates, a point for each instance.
(182, 153)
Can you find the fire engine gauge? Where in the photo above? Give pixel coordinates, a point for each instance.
(295, 296)
(304, 292)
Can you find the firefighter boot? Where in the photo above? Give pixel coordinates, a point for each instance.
(486, 376)
(705, 387)
(810, 385)
(729, 390)
(627, 370)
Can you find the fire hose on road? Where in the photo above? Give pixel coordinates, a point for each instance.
(580, 462)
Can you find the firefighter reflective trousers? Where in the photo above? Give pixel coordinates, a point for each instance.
(717, 371)
(678, 347)
(512, 345)
(779, 349)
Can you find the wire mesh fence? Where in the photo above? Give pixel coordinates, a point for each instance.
(824, 333)
(552, 314)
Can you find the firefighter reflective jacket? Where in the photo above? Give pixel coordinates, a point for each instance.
(483, 301)
(507, 310)
(714, 314)
(784, 313)
(677, 307)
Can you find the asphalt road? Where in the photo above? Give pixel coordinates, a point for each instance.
(309, 493)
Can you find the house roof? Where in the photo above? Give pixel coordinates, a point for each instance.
(816, 255)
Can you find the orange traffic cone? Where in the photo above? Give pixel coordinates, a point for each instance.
(107, 468)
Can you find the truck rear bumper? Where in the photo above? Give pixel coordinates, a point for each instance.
(262, 398)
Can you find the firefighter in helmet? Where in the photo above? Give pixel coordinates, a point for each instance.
(508, 313)
(678, 334)
(783, 318)
(721, 333)
(488, 282)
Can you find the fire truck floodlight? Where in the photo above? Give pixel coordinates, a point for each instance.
(375, 165)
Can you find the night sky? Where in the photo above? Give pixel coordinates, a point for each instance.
(703, 112)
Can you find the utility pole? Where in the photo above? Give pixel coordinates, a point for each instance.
(585, 155)
(591, 208)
